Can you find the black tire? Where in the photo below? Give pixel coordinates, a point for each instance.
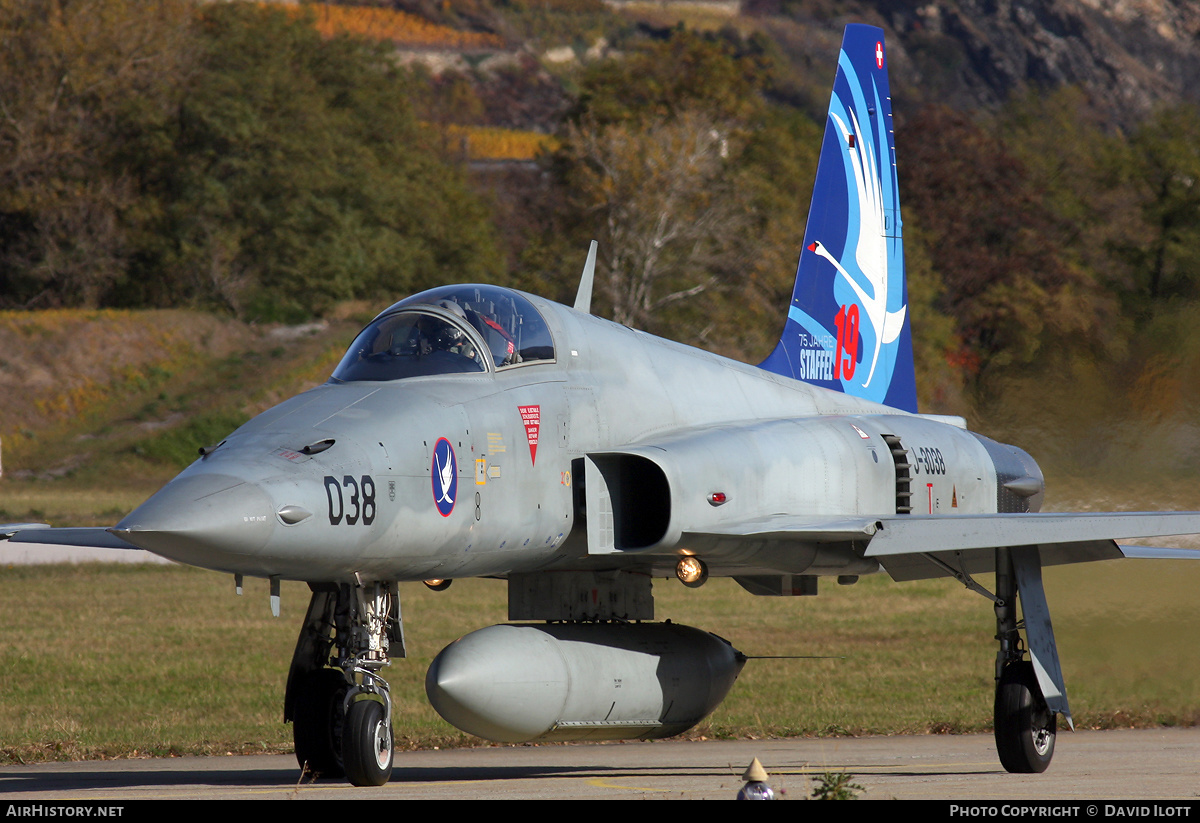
(1025, 727)
(318, 725)
(367, 747)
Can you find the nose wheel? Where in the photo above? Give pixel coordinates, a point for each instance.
(367, 747)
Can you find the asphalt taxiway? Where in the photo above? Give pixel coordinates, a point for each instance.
(1158, 764)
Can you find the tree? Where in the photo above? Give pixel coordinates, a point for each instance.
(685, 72)
(651, 166)
(218, 154)
(1166, 171)
(301, 177)
(83, 84)
(663, 196)
(993, 240)
(778, 168)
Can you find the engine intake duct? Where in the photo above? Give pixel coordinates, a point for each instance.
(628, 502)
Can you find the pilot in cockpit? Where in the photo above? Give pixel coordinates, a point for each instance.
(450, 338)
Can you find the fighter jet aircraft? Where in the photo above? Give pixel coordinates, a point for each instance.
(479, 431)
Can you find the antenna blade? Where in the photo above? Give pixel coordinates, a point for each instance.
(583, 298)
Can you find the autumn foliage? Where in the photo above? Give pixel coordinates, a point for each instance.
(217, 154)
(397, 27)
(488, 143)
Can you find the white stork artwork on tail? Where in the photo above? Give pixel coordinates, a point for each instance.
(871, 248)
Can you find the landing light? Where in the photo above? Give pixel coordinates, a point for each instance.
(691, 571)
(438, 584)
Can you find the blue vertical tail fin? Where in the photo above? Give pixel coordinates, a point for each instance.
(847, 325)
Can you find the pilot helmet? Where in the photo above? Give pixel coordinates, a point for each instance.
(448, 334)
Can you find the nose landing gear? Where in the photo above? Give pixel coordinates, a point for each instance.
(319, 721)
(340, 708)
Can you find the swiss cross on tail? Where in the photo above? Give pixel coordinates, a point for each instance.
(847, 327)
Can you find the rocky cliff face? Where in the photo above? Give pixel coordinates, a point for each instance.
(1128, 55)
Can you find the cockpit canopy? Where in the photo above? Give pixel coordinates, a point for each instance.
(448, 330)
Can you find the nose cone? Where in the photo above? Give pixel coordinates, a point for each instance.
(217, 521)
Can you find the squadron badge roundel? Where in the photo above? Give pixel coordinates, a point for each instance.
(443, 471)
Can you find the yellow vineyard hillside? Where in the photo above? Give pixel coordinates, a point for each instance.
(396, 26)
(489, 143)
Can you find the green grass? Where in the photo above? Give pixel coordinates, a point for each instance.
(117, 661)
(65, 504)
(180, 445)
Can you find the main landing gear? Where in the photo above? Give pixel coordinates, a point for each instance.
(1025, 726)
(340, 708)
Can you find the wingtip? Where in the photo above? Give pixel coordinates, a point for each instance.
(7, 530)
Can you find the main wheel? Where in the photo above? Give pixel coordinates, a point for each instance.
(317, 727)
(1025, 726)
(367, 744)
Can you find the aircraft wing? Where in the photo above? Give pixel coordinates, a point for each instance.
(915, 547)
(84, 537)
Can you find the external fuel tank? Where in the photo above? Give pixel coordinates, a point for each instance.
(581, 681)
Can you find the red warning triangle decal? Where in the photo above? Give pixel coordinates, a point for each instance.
(531, 417)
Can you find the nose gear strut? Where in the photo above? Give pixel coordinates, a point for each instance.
(339, 706)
